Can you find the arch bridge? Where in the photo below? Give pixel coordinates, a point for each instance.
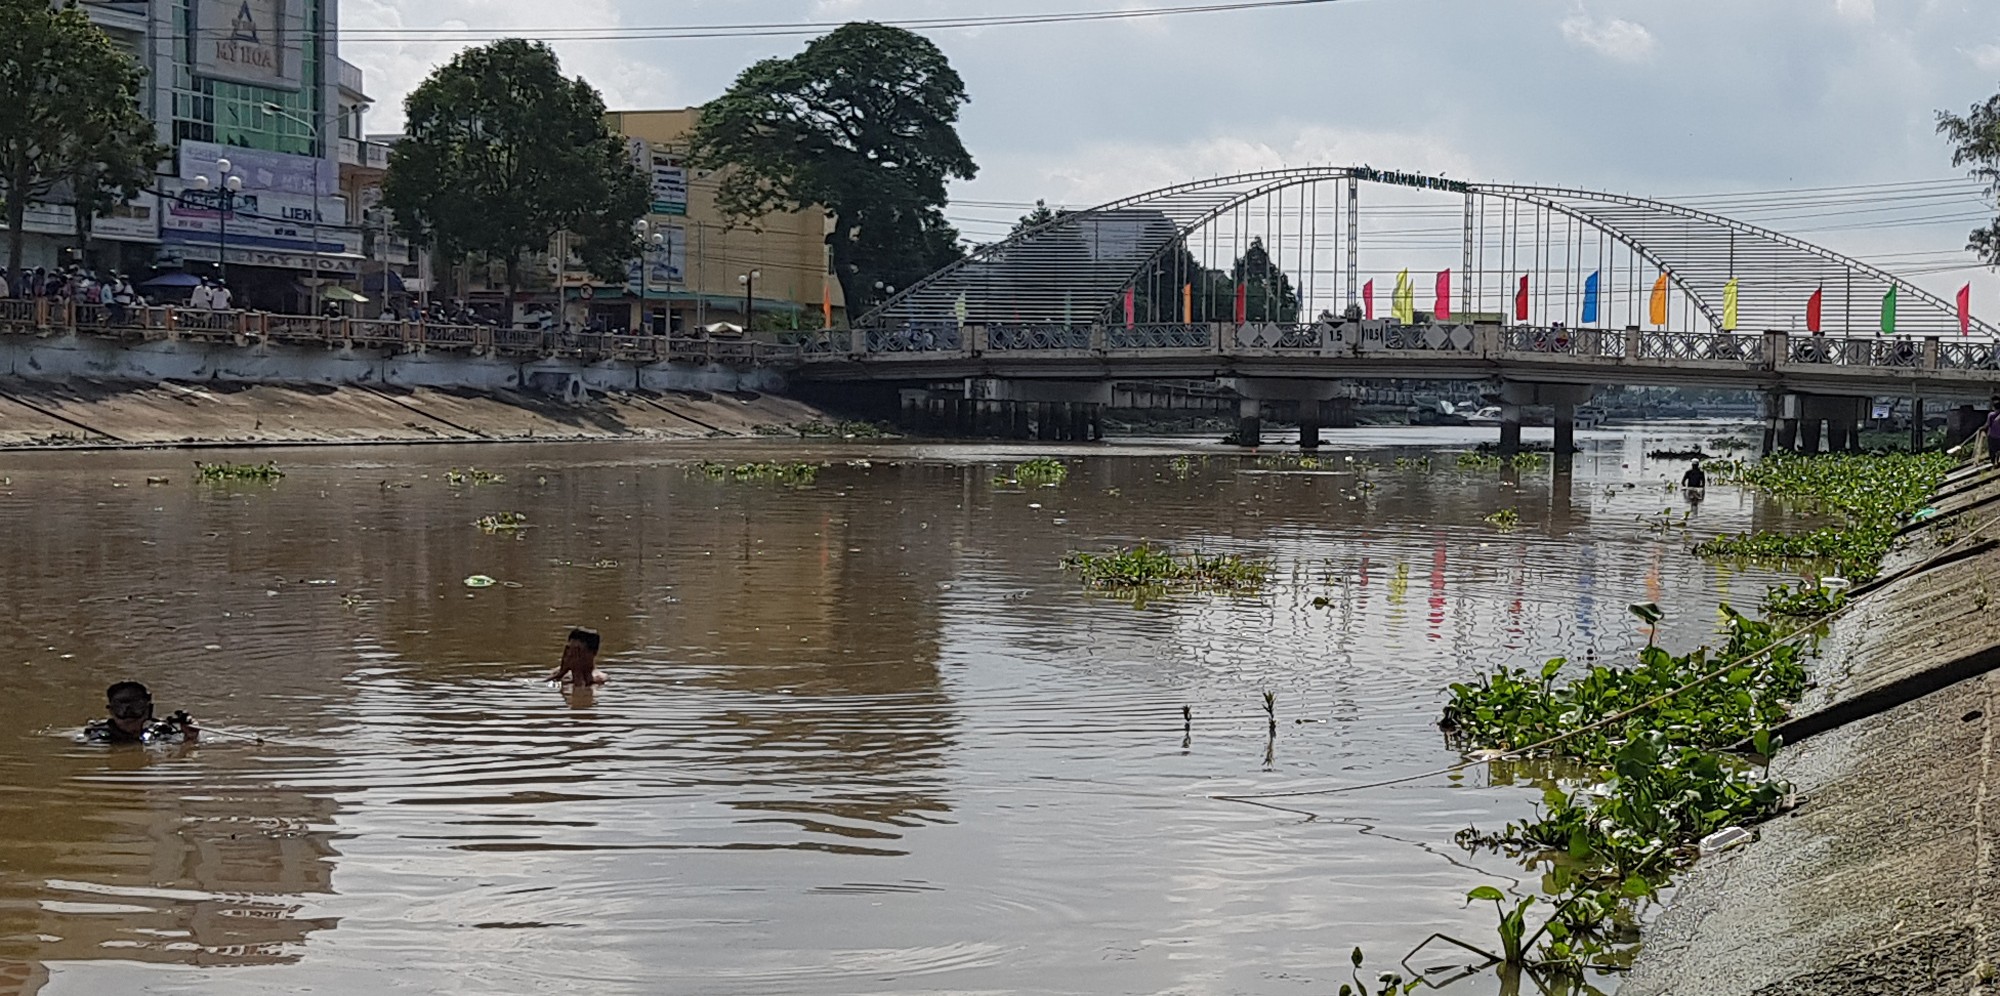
(1257, 280)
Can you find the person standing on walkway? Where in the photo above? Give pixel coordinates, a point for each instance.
(1993, 434)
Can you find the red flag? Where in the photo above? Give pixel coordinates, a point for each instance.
(1368, 300)
(1813, 310)
(1128, 307)
(1965, 310)
(1242, 303)
(1521, 301)
(1443, 309)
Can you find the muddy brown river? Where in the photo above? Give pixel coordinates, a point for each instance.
(862, 736)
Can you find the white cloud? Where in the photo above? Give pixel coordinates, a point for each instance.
(1615, 38)
(1855, 10)
(393, 69)
(1986, 57)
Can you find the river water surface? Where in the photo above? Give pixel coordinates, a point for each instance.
(863, 736)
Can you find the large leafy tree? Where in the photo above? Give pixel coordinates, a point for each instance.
(1975, 142)
(70, 117)
(503, 153)
(863, 122)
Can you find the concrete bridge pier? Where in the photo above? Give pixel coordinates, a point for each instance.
(1048, 410)
(1310, 397)
(1841, 417)
(1563, 398)
(1917, 433)
(1250, 422)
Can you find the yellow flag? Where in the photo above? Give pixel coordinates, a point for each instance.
(1659, 304)
(1729, 306)
(1187, 303)
(1405, 301)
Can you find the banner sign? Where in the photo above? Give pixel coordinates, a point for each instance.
(666, 176)
(260, 170)
(263, 218)
(250, 41)
(137, 220)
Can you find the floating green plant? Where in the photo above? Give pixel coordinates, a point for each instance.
(1146, 567)
(266, 472)
(1871, 493)
(1478, 461)
(777, 473)
(473, 476)
(1505, 520)
(502, 522)
(1041, 470)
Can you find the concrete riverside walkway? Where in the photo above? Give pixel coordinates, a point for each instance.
(1882, 879)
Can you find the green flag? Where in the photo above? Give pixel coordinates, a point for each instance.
(1889, 312)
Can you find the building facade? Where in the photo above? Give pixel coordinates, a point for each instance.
(258, 84)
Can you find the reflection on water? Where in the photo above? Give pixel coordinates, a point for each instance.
(862, 736)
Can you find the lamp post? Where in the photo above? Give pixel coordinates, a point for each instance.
(229, 185)
(647, 244)
(270, 108)
(749, 282)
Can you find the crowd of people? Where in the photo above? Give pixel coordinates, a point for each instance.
(73, 283)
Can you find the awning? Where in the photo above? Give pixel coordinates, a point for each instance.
(338, 293)
(174, 279)
(371, 281)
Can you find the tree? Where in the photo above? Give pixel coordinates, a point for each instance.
(503, 153)
(861, 123)
(1976, 142)
(71, 115)
(1268, 295)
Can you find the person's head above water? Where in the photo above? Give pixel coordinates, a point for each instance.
(588, 639)
(130, 706)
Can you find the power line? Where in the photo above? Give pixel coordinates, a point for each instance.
(790, 28)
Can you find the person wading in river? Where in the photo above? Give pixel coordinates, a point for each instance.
(579, 660)
(1695, 479)
(1993, 434)
(132, 722)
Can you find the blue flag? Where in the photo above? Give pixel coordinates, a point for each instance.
(1590, 300)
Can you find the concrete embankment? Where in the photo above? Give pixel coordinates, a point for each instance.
(1882, 878)
(74, 390)
(80, 413)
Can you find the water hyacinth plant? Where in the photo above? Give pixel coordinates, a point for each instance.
(266, 472)
(777, 473)
(1872, 494)
(1146, 567)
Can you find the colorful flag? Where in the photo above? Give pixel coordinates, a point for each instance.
(1368, 300)
(958, 308)
(1443, 309)
(1405, 301)
(1657, 307)
(1729, 298)
(1242, 303)
(1889, 311)
(1187, 302)
(1521, 300)
(1965, 310)
(826, 304)
(1590, 299)
(1130, 306)
(1815, 306)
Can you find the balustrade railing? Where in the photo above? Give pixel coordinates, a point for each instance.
(1173, 336)
(1968, 356)
(916, 339)
(1012, 337)
(1701, 346)
(1560, 341)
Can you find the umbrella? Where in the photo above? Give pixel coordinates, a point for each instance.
(174, 279)
(724, 328)
(338, 293)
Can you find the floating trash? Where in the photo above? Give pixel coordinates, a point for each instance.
(479, 581)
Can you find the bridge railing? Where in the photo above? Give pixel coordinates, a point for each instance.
(1016, 337)
(1968, 356)
(1186, 335)
(1562, 341)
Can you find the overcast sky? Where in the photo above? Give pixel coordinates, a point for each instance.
(1655, 97)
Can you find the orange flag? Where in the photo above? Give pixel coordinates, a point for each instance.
(826, 304)
(1659, 302)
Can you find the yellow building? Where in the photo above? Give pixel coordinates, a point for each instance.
(700, 268)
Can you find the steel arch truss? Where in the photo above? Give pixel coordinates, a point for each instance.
(1074, 269)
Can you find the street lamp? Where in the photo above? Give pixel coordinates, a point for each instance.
(270, 108)
(230, 184)
(647, 245)
(749, 282)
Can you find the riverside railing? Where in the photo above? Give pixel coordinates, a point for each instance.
(44, 316)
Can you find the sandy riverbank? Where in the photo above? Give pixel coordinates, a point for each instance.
(100, 414)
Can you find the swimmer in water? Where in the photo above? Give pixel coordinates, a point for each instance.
(131, 720)
(579, 660)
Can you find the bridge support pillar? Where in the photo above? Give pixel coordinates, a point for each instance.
(1787, 432)
(1310, 418)
(1917, 425)
(1510, 430)
(1565, 420)
(1839, 436)
(1809, 435)
(1096, 422)
(1250, 422)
